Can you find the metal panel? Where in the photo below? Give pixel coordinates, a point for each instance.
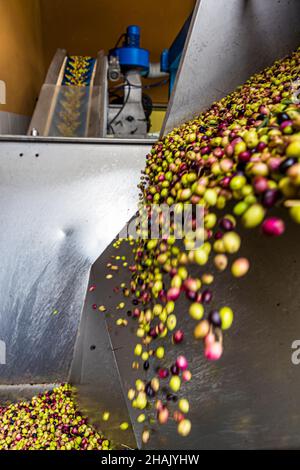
(87, 372)
(48, 93)
(250, 397)
(95, 370)
(56, 101)
(61, 205)
(77, 140)
(15, 393)
(98, 112)
(55, 67)
(13, 124)
(229, 41)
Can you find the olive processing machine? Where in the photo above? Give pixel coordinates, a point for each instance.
(63, 200)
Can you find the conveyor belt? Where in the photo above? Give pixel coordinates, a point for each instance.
(72, 99)
(70, 117)
(79, 71)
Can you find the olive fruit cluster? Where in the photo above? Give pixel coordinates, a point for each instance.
(239, 160)
(50, 421)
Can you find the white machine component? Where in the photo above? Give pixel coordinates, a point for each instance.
(129, 119)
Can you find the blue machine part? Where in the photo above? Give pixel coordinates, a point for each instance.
(164, 61)
(131, 55)
(170, 58)
(133, 36)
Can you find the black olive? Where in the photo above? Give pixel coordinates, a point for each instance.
(149, 391)
(206, 296)
(174, 369)
(270, 197)
(281, 117)
(215, 319)
(191, 295)
(286, 164)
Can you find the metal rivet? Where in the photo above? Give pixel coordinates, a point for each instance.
(34, 132)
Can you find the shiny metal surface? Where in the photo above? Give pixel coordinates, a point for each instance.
(76, 140)
(72, 111)
(250, 398)
(61, 205)
(55, 67)
(47, 94)
(122, 342)
(15, 393)
(98, 112)
(228, 41)
(95, 371)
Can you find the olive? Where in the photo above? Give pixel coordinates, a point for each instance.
(286, 164)
(241, 157)
(281, 117)
(206, 296)
(214, 318)
(174, 369)
(270, 197)
(149, 391)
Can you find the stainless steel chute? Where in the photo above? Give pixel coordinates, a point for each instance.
(63, 201)
(84, 105)
(62, 204)
(226, 44)
(250, 397)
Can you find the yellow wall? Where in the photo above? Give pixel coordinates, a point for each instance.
(21, 54)
(157, 119)
(85, 26)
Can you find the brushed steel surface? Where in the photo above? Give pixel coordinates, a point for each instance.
(16, 393)
(61, 205)
(76, 140)
(54, 97)
(55, 66)
(122, 341)
(95, 372)
(98, 112)
(47, 93)
(228, 41)
(250, 398)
